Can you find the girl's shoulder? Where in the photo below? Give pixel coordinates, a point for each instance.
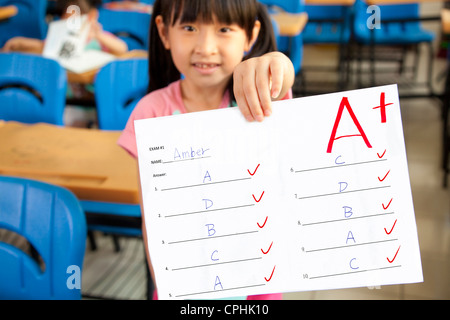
(163, 102)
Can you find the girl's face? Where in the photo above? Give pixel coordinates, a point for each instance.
(206, 53)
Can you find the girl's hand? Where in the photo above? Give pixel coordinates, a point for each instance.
(259, 80)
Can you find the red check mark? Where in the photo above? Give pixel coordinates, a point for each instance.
(262, 226)
(253, 171)
(391, 228)
(259, 197)
(390, 261)
(382, 155)
(382, 179)
(270, 275)
(266, 252)
(385, 207)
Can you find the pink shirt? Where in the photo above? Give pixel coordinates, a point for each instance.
(166, 102)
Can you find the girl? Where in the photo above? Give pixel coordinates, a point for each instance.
(225, 50)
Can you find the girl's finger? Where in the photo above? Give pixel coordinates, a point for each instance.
(240, 98)
(263, 83)
(277, 78)
(251, 96)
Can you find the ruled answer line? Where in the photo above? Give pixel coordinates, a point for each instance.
(204, 184)
(216, 264)
(351, 245)
(346, 219)
(208, 210)
(352, 272)
(182, 160)
(343, 192)
(214, 237)
(211, 291)
(340, 165)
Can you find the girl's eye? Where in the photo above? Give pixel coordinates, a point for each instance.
(189, 28)
(225, 29)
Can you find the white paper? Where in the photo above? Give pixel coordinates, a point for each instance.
(88, 60)
(63, 42)
(234, 208)
(67, 46)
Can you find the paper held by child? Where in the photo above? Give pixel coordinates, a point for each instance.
(66, 44)
(317, 196)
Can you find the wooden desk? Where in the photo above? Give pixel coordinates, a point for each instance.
(7, 12)
(290, 24)
(86, 161)
(129, 5)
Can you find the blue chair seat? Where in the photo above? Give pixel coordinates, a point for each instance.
(325, 33)
(395, 33)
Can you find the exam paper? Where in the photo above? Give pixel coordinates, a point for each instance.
(317, 196)
(68, 46)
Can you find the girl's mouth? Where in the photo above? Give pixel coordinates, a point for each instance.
(206, 68)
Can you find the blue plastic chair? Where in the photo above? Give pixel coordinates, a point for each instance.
(327, 24)
(32, 89)
(292, 46)
(50, 218)
(143, 1)
(29, 21)
(396, 32)
(400, 25)
(118, 87)
(130, 26)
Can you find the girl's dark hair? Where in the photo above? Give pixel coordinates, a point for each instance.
(244, 13)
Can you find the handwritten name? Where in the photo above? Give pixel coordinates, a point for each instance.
(191, 153)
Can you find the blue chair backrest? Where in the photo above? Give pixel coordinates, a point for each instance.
(293, 46)
(29, 21)
(130, 26)
(50, 218)
(395, 32)
(118, 87)
(292, 6)
(327, 24)
(32, 89)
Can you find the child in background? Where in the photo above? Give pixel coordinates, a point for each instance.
(225, 50)
(97, 39)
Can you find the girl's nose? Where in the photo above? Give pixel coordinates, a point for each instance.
(206, 43)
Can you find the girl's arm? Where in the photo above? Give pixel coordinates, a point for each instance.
(112, 43)
(259, 80)
(22, 44)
